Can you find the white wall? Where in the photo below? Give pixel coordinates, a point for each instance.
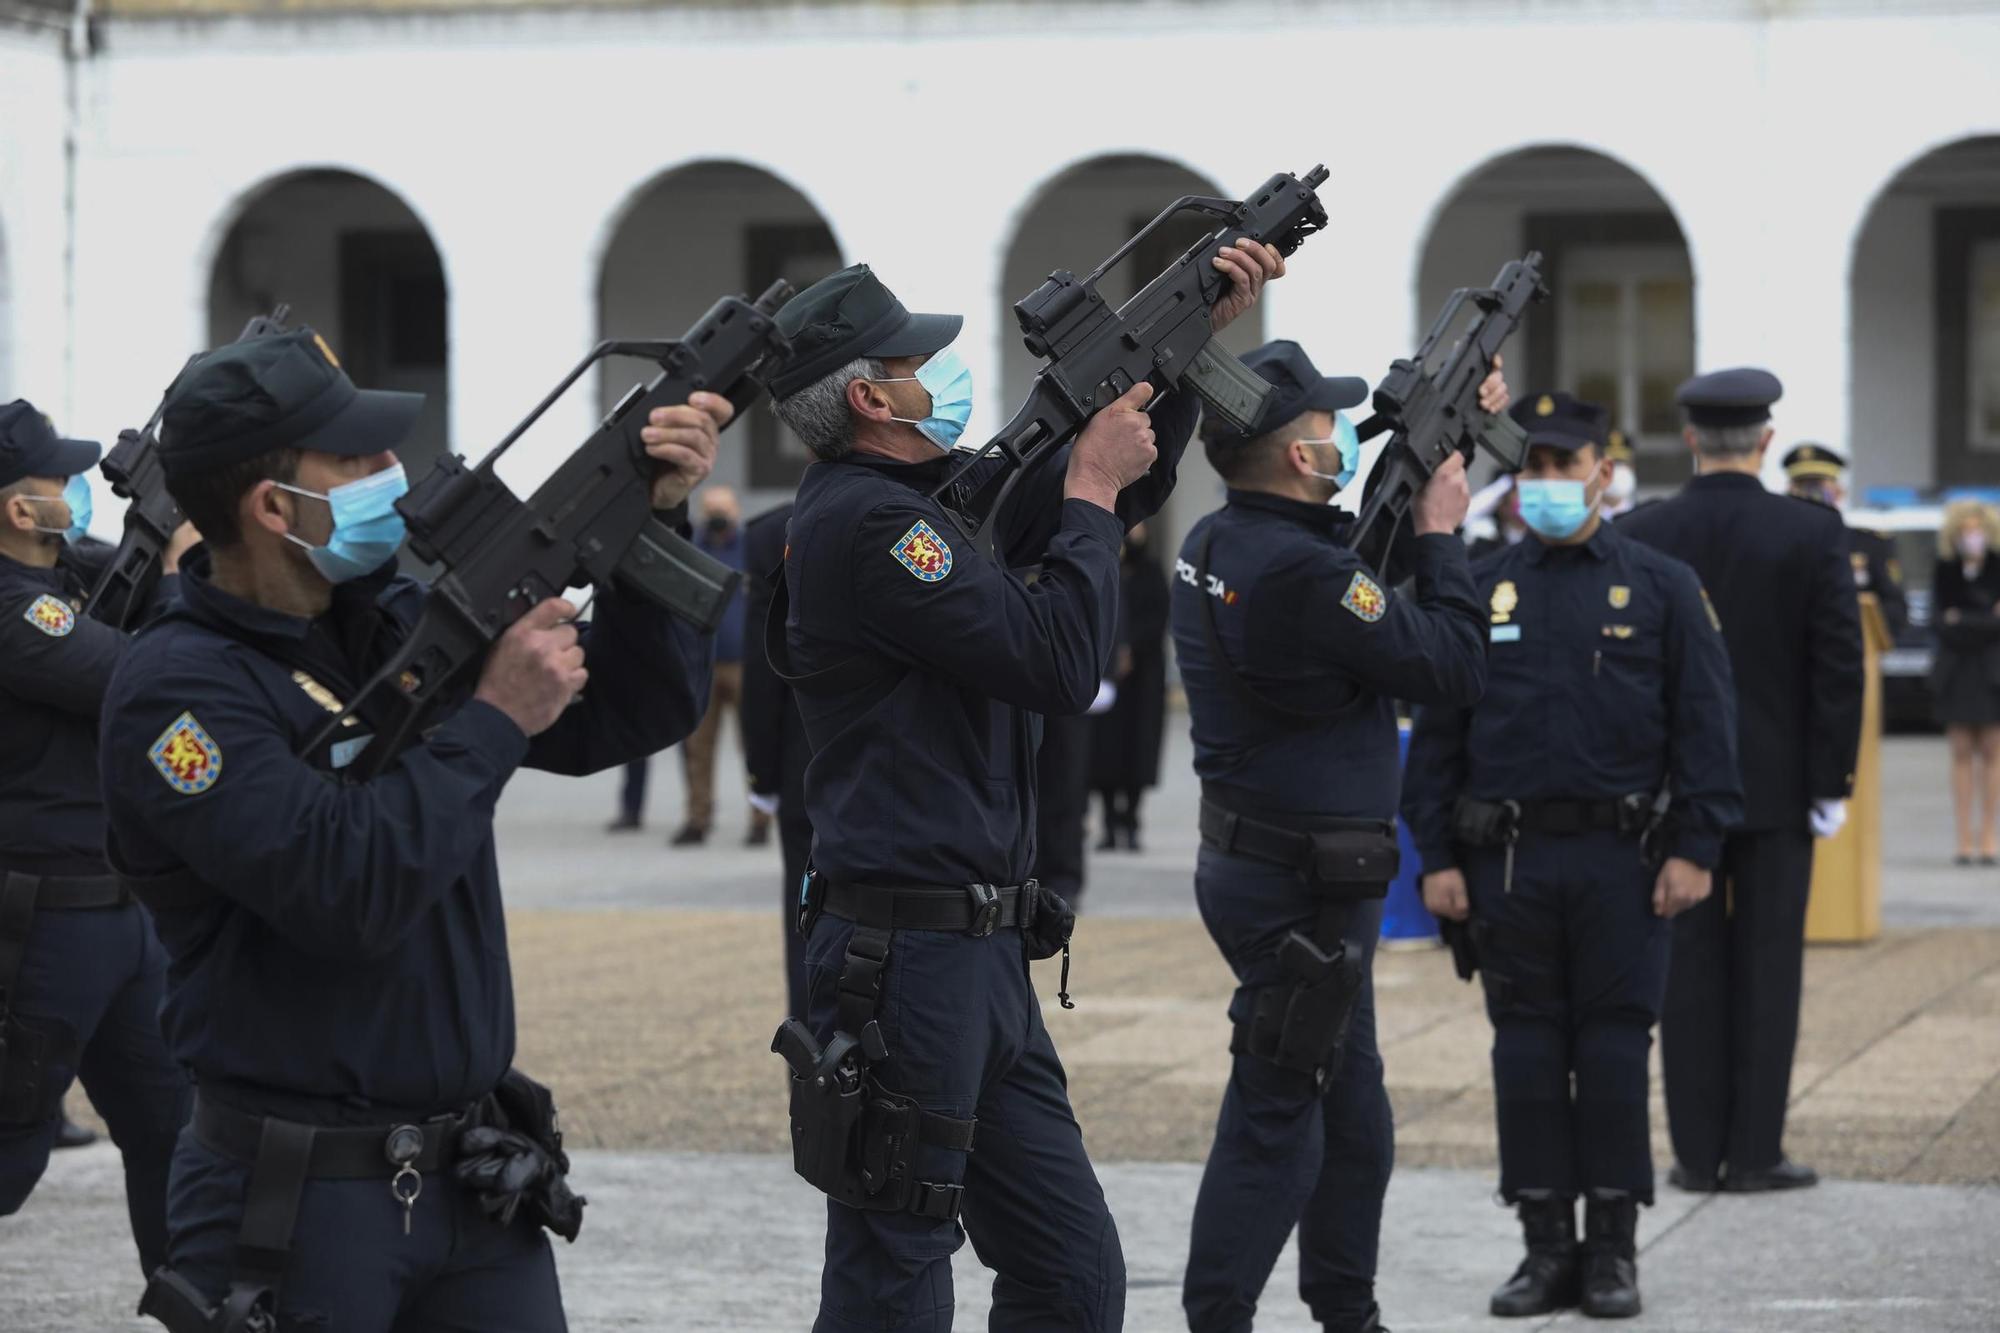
(34, 333)
(519, 137)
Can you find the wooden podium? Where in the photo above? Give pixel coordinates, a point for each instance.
(1846, 903)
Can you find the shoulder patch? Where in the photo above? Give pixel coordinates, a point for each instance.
(51, 615)
(1364, 597)
(923, 553)
(186, 756)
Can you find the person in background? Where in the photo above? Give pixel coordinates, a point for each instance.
(1624, 485)
(1965, 680)
(774, 738)
(1815, 472)
(1508, 529)
(1125, 739)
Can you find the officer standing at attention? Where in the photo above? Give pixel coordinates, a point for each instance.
(1815, 472)
(1293, 655)
(921, 663)
(81, 974)
(1779, 575)
(1538, 812)
(339, 983)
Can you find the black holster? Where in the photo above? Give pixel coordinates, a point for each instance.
(1463, 941)
(29, 1047)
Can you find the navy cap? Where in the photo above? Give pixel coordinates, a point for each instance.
(1738, 397)
(1559, 421)
(1814, 460)
(281, 392)
(847, 315)
(30, 447)
(1297, 386)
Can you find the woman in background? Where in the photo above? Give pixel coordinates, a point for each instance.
(1965, 682)
(1125, 741)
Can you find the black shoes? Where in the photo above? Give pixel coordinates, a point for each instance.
(1786, 1175)
(1546, 1281)
(1610, 1278)
(1368, 1323)
(758, 836)
(625, 824)
(690, 835)
(1683, 1179)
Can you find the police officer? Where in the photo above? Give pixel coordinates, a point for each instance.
(1815, 472)
(1292, 655)
(774, 738)
(1778, 573)
(81, 973)
(360, 1155)
(1538, 812)
(921, 663)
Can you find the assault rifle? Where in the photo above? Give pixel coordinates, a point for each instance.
(591, 522)
(132, 467)
(1096, 354)
(1433, 411)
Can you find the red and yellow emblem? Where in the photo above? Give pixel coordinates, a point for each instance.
(923, 552)
(51, 615)
(186, 756)
(1365, 598)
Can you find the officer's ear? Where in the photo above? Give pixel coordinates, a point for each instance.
(1764, 442)
(869, 401)
(267, 508)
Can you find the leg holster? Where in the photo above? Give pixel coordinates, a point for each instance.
(852, 1138)
(29, 1048)
(1301, 1022)
(263, 1246)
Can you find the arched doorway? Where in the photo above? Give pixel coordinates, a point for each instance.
(355, 263)
(1924, 340)
(689, 237)
(1618, 327)
(1076, 221)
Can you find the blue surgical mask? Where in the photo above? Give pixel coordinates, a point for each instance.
(1555, 507)
(367, 530)
(948, 380)
(76, 494)
(1349, 445)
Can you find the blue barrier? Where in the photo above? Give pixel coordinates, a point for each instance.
(1403, 914)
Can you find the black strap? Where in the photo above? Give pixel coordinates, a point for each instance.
(76, 893)
(846, 675)
(859, 991)
(970, 909)
(270, 1207)
(338, 1152)
(1229, 831)
(17, 915)
(1244, 691)
(1561, 818)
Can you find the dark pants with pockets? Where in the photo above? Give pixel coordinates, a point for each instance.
(1574, 969)
(966, 1039)
(1732, 1010)
(352, 1268)
(102, 973)
(1286, 1154)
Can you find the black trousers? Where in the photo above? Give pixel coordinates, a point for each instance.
(1732, 1014)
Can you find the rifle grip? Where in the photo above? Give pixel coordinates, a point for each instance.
(671, 571)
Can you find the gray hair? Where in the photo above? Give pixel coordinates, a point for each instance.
(818, 414)
(1728, 441)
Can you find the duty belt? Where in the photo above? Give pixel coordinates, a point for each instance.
(364, 1152)
(964, 909)
(1564, 819)
(1227, 830)
(63, 893)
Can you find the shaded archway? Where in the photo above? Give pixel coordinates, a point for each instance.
(1924, 324)
(1075, 222)
(1618, 327)
(353, 261)
(693, 235)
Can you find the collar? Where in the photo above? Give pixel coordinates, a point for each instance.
(230, 613)
(1319, 517)
(1725, 481)
(15, 571)
(921, 476)
(1598, 546)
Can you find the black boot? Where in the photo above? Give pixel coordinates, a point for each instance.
(1546, 1280)
(1610, 1255)
(1371, 1322)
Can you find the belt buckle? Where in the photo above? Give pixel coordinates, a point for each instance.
(985, 910)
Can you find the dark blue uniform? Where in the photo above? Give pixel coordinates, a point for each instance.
(1307, 629)
(91, 977)
(923, 774)
(352, 968)
(1607, 679)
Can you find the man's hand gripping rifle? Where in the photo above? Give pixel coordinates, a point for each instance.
(591, 522)
(1095, 354)
(122, 591)
(1434, 412)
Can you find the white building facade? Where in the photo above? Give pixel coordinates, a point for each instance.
(464, 201)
